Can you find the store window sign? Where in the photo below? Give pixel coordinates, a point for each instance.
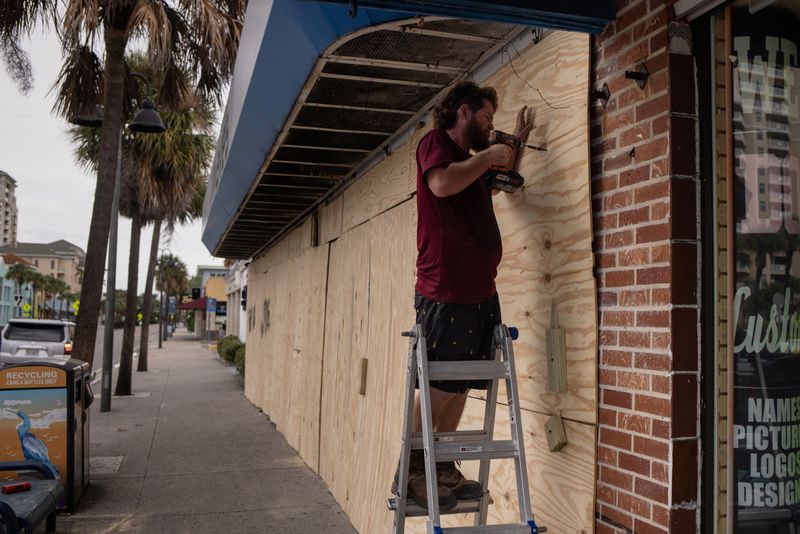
(766, 303)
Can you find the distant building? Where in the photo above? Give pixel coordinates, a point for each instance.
(8, 209)
(210, 272)
(236, 293)
(21, 294)
(60, 259)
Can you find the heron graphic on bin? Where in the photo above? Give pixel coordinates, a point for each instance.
(33, 448)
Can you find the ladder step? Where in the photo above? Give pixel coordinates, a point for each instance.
(415, 510)
(474, 450)
(495, 529)
(417, 440)
(467, 370)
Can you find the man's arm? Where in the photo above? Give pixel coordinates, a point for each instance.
(447, 181)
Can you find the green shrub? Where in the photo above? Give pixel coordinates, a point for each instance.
(227, 346)
(239, 359)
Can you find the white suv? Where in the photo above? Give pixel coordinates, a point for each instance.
(29, 339)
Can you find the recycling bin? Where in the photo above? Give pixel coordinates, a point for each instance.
(44, 417)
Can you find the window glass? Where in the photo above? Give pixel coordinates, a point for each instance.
(35, 332)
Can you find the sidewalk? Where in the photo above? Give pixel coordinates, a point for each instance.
(189, 453)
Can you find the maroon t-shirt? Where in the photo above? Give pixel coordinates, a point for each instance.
(458, 241)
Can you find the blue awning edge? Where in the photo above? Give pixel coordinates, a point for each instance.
(280, 44)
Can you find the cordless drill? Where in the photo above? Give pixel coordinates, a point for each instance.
(502, 178)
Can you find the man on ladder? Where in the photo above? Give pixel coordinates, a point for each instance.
(459, 249)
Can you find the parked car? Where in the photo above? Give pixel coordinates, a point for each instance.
(28, 339)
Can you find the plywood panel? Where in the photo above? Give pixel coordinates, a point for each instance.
(387, 184)
(392, 270)
(299, 239)
(330, 220)
(547, 226)
(346, 324)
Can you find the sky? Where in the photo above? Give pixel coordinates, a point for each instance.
(54, 193)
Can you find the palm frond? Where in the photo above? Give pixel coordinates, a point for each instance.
(82, 20)
(79, 85)
(149, 20)
(18, 64)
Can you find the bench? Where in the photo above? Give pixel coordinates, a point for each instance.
(26, 510)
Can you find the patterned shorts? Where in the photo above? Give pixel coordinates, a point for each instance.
(458, 332)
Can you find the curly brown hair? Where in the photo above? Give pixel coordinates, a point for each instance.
(465, 92)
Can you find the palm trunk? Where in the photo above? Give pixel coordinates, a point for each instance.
(147, 304)
(116, 39)
(126, 356)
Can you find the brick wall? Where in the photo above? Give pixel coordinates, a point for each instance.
(646, 239)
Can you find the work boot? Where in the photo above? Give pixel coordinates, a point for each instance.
(449, 476)
(417, 490)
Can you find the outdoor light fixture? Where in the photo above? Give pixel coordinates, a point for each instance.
(147, 119)
(89, 121)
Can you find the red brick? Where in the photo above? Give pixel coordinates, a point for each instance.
(651, 447)
(660, 429)
(605, 261)
(618, 200)
(606, 493)
(606, 222)
(653, 232)
(653, 405)
(618, 517)
(607, 337)
(606, 416)
(656, 191)
(658, 61)
(634, 176)
(616, 478)
(656, 83)
(617, 398)
(630, 16)
(660, 124)
(660, 514)
(637, 134)
(605, 184)
(654, 275)
(613, 122)
(659, 41)
(652, 108)
(660, 168)
(633, 380)
(653, 23)
(618, 239)
(617, 318)
(660, 384)
(661, 296)
(660, 253)
(634, 216)
(630, 96)
(607, 377)
(607, 298)
(618, 278)
(660, 472)
(653, 362)
(637, 340)
(652, 149)
(636, 297)
(612, 163)
(651, 490)
(633, 56)
(634, 257)
(633, 422)
(658, 319)
(616, 358)
(632, 504)
(615, 44)
(647, 528)
(602, 528)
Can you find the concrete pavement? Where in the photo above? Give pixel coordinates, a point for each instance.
(189, 453)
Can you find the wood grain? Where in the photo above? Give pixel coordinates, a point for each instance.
(330, 220)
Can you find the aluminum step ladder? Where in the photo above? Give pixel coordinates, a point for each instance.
(465, 444)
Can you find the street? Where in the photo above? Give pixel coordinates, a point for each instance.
(98, 348)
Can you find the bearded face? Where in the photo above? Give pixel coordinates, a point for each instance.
(477, 135)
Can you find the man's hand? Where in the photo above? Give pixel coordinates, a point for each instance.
(524, 124)
(498, 155)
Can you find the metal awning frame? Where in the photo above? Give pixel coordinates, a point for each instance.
(519, 38)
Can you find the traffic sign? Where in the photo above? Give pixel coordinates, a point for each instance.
(26, 307)
(139, 316)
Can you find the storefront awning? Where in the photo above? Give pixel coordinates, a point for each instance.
(197, 304)
(317, 95)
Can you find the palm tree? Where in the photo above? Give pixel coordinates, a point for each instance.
(172, 279)
(202, 35)
(162, 176)
(21, 274)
